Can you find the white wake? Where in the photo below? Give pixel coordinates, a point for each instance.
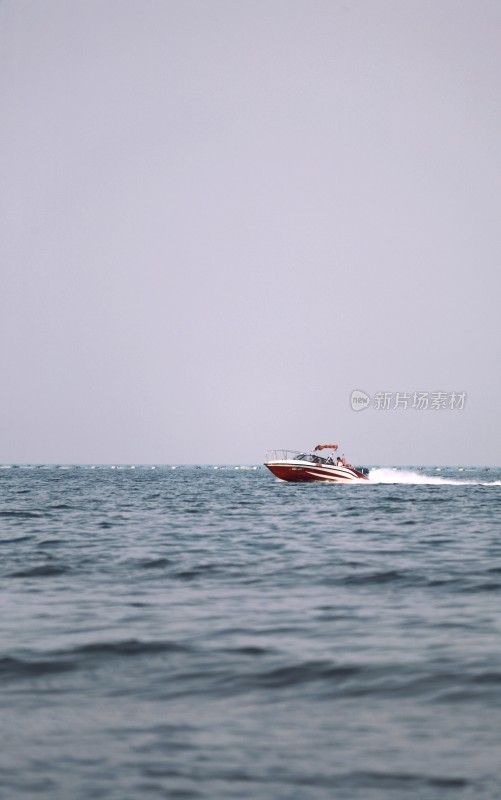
(394, 475)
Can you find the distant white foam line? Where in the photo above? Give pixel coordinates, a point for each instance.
(391, 475)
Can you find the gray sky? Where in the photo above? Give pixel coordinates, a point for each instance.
(218, 218)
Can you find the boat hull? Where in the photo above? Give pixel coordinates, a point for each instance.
(302, 472)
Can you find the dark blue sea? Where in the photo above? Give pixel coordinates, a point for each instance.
(216, 633)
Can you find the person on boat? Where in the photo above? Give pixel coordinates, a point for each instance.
(341, 462)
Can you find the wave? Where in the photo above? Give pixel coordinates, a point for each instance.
(18, 669)
(21, 514)
(16, 540)
(41, 571)
(370, 780)
(127, 647)
(53, 662)
(407, 476)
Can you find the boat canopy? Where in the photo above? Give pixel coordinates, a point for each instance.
(326, 447)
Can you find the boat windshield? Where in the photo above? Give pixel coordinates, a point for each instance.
(314, 459)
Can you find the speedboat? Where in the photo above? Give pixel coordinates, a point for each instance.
(294, 465)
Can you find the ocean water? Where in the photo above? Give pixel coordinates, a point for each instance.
(216, 633)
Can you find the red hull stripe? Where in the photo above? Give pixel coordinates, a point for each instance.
(289, 472)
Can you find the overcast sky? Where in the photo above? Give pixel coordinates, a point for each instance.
(219, 217)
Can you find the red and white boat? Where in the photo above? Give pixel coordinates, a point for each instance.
(292, 465)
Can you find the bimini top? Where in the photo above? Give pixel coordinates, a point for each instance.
(326, 447)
